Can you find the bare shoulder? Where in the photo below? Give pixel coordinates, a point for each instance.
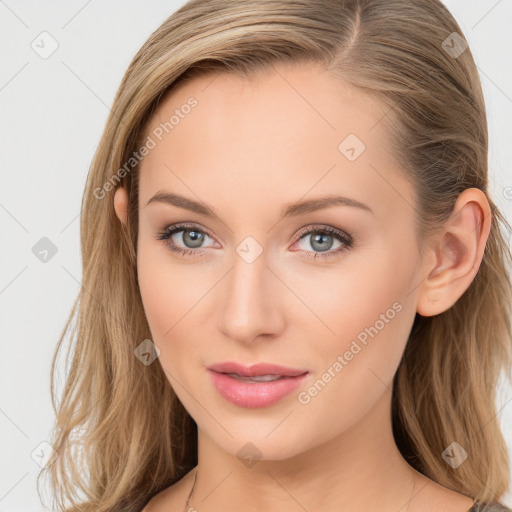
(172, 498)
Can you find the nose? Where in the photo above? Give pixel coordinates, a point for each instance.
(251, 303)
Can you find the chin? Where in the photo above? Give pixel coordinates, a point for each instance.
(266, 440)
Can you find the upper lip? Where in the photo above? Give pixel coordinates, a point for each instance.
(256, 369)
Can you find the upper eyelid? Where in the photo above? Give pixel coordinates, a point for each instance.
(324, 228)
(183, 226)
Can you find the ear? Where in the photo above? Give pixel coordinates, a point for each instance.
(457, 252)
(121, 204)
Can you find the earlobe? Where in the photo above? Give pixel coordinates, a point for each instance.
(458, 252)
(121, 204)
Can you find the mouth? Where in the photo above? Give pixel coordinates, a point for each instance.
(260, 385)
(256, 370)
(258, 378)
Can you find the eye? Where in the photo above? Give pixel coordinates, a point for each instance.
(321, 239)
(191, 237)
(187, 239)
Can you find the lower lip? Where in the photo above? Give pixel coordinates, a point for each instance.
(255, 394)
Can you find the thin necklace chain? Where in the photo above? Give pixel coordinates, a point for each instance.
(191, 491)
(197, 471)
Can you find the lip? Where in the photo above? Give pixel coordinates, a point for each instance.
(256, 369)
(255, 394)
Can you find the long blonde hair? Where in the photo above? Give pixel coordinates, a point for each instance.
(121, 434)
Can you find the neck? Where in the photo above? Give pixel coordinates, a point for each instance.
(361, 468)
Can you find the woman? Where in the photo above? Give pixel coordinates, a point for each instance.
(224, 359)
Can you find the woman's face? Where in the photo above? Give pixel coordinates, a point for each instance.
(327, 288)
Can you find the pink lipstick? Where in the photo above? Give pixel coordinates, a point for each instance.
(259, 385)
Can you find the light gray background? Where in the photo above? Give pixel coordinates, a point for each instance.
(53, 113)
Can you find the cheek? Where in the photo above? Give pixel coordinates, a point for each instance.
(164, 291)
(364, 313)
(172, 295)
(371, 316)
(345, 301)
(155, 291)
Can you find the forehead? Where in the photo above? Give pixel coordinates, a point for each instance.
(273, 139)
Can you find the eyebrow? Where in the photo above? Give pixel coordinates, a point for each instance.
(289, 210)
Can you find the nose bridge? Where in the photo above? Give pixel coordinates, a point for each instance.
(249, 305)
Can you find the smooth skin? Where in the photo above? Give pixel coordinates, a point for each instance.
(247, 150)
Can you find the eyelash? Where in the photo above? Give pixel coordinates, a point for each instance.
(347, 240)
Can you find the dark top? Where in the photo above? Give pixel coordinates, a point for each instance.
(489, 507)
